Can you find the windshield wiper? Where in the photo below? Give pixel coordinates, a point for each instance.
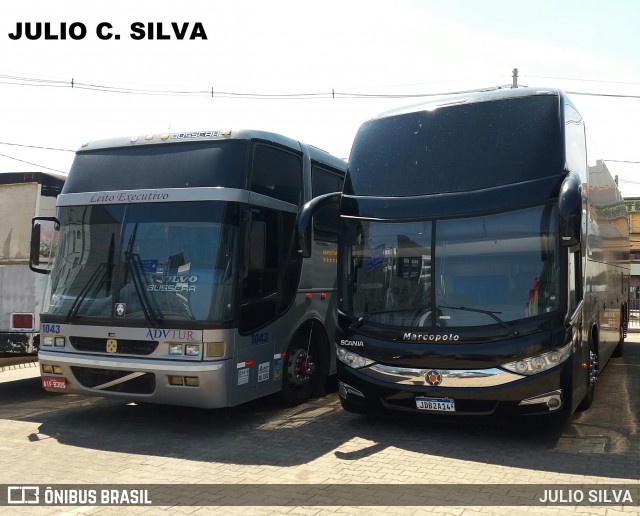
(490, 313)
(362, 319)
(134, 264)
(75, 306)
(106, 278)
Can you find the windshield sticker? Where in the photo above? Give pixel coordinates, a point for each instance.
(150, 266)
(121, 309)
(329, 256)
(376, 257)
(171, 288)
(181, 283)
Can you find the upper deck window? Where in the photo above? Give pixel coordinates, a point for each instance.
(277, 173)
(169, 165)
(458, 148)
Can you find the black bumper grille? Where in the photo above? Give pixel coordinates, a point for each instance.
(124, 346)
(92, 377)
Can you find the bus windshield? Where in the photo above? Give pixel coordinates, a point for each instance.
(477, 271)
(159, 262)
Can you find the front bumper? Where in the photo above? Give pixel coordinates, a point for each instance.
(142, 380)
(475, 393)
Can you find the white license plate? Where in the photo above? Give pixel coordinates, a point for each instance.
(435, 404)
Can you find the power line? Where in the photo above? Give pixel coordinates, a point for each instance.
(213, 93)
(333, 94)
(604, 95)
(34, 164)
(582, 80)
(36, 147)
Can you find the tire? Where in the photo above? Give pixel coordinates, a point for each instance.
(303, 372)
(592, 377)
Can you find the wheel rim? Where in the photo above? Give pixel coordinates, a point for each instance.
(300, 367)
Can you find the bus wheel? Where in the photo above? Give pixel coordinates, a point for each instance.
(592, 377)
(301, 374)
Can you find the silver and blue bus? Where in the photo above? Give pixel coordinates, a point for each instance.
(175, 275)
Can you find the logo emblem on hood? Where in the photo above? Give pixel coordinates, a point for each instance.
(433, 377)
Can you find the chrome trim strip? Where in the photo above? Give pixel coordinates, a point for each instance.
(345, 389)
(129, 363)
(544, 398)
(450, 377)
(131, 376)
(152, 195)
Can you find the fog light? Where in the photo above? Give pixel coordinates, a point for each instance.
(59, 342)
(57, 369)
(192, 381)
(215, 349)
(47, 368)
(175, 349)
(192, 350)
(553, 403)
(176, 380)
(344, 389)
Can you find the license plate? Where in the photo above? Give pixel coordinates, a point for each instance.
(50, 382)
(436, 404)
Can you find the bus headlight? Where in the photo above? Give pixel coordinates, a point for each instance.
(539, 363)
(192, 350)
(352, 359)
(175, 349)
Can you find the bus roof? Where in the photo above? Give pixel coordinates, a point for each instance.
(471, 97)
(315, 153)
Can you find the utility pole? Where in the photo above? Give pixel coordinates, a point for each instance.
(514, 84)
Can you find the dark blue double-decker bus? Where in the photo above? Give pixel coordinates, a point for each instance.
(483, 259)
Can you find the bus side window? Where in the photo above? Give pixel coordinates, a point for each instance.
(574, 276)
(277, 173)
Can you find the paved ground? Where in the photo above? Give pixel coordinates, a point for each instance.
(251, 459)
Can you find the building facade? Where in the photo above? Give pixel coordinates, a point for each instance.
(633, 215)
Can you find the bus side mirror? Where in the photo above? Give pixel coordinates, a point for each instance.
(305, 215)
(34, 250)
(570, 211)
(43, 233)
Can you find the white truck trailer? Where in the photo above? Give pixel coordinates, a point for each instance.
(23, 195)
